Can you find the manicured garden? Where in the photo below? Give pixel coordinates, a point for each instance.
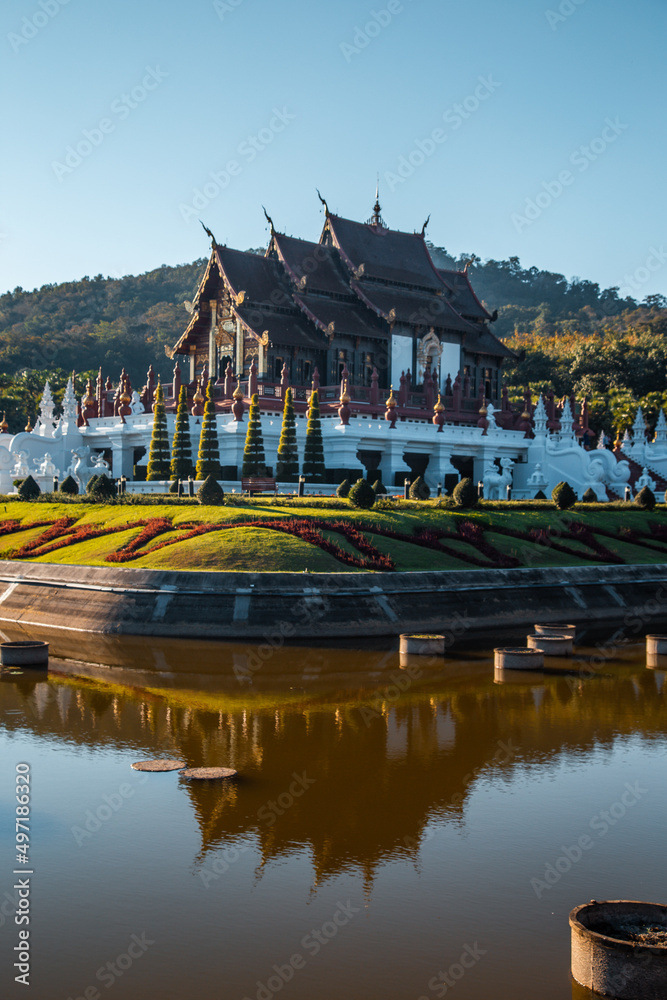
(286, 534)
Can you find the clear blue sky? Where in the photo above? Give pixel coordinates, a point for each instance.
(181, 86)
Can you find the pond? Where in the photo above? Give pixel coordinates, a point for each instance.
(399, 833)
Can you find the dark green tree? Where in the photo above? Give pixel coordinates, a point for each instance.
(563, 496)
(69, 486)
(379, 487)
(287, 467)
(90, 485)
(208, 459)
(465, 494)
(158, 456)
(313, 455)
(181, 449)
(254, 462)
(589, 496)
(344, 489)
(29, 489)
(211, 493)
(362, 495)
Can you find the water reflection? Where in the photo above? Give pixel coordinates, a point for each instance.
(339, 753)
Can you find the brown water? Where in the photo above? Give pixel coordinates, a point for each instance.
(391, 836)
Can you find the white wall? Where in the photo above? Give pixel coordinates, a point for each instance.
(450, 362)
(401, 358)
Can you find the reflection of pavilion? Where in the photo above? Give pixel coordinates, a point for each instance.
(376, 781)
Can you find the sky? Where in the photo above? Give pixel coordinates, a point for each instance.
(523, 128)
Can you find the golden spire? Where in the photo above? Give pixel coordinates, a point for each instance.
(345, 396)
(4, 426)
(391, 402)
(238, 391)
(28, 426)
(439, 406)
(199, 395)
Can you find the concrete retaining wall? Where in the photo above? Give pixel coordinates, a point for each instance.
(469, 604)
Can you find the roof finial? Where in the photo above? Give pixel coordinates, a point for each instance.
(209, 234)
(268, 219)
(326, 207)
(376, 218)
(426, 224)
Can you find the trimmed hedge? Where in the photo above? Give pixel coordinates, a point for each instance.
(362, 495)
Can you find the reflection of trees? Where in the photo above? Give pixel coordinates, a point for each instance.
(378, 777)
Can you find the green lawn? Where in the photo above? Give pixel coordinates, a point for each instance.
(257, 546)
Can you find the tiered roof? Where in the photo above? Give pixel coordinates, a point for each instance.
(360, 280)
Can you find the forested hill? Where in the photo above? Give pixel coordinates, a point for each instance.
(128, 322)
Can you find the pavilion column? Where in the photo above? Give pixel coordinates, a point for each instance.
(212, 346)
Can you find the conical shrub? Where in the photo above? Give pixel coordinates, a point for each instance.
(158, 456)
(563, 496)
(362, 495)
(379, 487)
(69, 486)
(344, 489)
(29, 489)
(208, 459)
(254, 461)
(287, 467)
(181, 448)
(419, 490)
(590, 496)
(211, 492)
(465, 494)
(313, 454)
(645, 498)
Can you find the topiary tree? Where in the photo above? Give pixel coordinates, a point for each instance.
(590, 496)
(69, 486)
(90, 485)
(362, 495)
(211, 492)
(158, 456)
(313, 454)
(254, 462)
(208, 459)
(379, 487)
(103, 489)
(465, 493)
(29, 489)
(645, 498)
(287, 467)
(419, 490)
(173, 487)
(344, 489)
(540, 495)
(563, 496)
(181, 448)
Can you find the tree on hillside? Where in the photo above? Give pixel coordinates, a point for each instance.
(158, 455)
(287, 468)
(181, 449)
(313, 455)
(254, 462)
(208, 459)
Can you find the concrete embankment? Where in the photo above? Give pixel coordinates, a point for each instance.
(470, 604)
